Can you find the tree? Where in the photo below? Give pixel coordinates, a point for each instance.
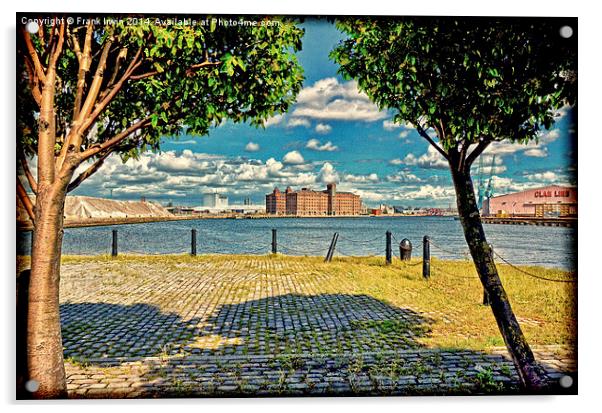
(464, 84)
(89, 89)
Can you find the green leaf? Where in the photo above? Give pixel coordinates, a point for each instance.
(158, 67)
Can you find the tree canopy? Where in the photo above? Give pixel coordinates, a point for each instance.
(472, 81)
(121, 87)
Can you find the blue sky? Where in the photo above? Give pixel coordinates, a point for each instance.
(332, 133)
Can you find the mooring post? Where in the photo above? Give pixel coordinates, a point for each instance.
(274, 242)
(426, 257)
(114, 244)
(193, 242)
(405, 250)
(331, 248)
(388, 253)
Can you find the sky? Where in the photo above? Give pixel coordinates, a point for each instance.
(333, 133)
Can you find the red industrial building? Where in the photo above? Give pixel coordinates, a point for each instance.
(548, 201)
(309, 202)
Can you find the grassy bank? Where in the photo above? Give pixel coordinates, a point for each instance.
(450, 300)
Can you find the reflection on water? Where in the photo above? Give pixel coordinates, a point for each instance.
(536, 245)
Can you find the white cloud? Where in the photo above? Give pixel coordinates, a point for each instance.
(537, 152)
(390, 125)
(186, 142)
(432, 159)
(188, 161)
(533, 149)
(404, 177)
(329, 99)
(294, 122)
(315, 145)
(274, 120)
(360, 179)
(293, 157)
(168, 174)
(547, 176)
(404, 134)
(396, 162)
(431, 192)
(366, 195)
(488, 168)
(504, 185)
(252, 147)
(328, 174)
(323, 128)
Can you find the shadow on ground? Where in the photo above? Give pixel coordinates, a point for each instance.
(318, 324)
(282, 345)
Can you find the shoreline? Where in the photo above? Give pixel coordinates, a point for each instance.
(99, 222)
(353, 259)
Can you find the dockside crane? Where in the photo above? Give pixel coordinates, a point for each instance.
(489, 191)
(484, 191)
(480, 184)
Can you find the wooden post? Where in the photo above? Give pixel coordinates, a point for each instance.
(388, 254)
(426, 257)
(193, 242)
(331, 248)
(274, 242)
(114, 244)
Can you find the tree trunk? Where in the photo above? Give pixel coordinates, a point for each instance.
(482, 255)
(44, 342)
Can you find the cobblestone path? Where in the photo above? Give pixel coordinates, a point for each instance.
(258, 327)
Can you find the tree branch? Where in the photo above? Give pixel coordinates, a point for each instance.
(88, 153)
(481, 146)
(430, 140)
(25, 200)
(88, 172)
(30, 179)
(33, 80)
(96, 82)
(33, 55)
(84, 61)
(189, 70)
(54, 56)
(74, 138)
(47, 118)
(109, 93)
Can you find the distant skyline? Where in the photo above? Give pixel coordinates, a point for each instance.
(333, 133)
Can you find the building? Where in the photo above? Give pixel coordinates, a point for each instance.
(309, 202)
(275, 203)
(548, 201)
(215, 200)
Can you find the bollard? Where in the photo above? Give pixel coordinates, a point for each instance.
(426, 257)
(193, 242)
(388, 248)
(114, 245)
(333, 245)
(405, 250)
(274, 242)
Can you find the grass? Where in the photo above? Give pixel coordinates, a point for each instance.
(451, 299)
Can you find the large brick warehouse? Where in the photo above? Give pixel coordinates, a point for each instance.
(309, 202)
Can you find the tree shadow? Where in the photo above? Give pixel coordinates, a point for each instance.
(292, 344)
(93, 331)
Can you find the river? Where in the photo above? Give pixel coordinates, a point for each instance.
(528, 245)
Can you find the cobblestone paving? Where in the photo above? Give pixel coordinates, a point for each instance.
(261, 327)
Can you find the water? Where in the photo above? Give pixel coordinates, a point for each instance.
(528, 245)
